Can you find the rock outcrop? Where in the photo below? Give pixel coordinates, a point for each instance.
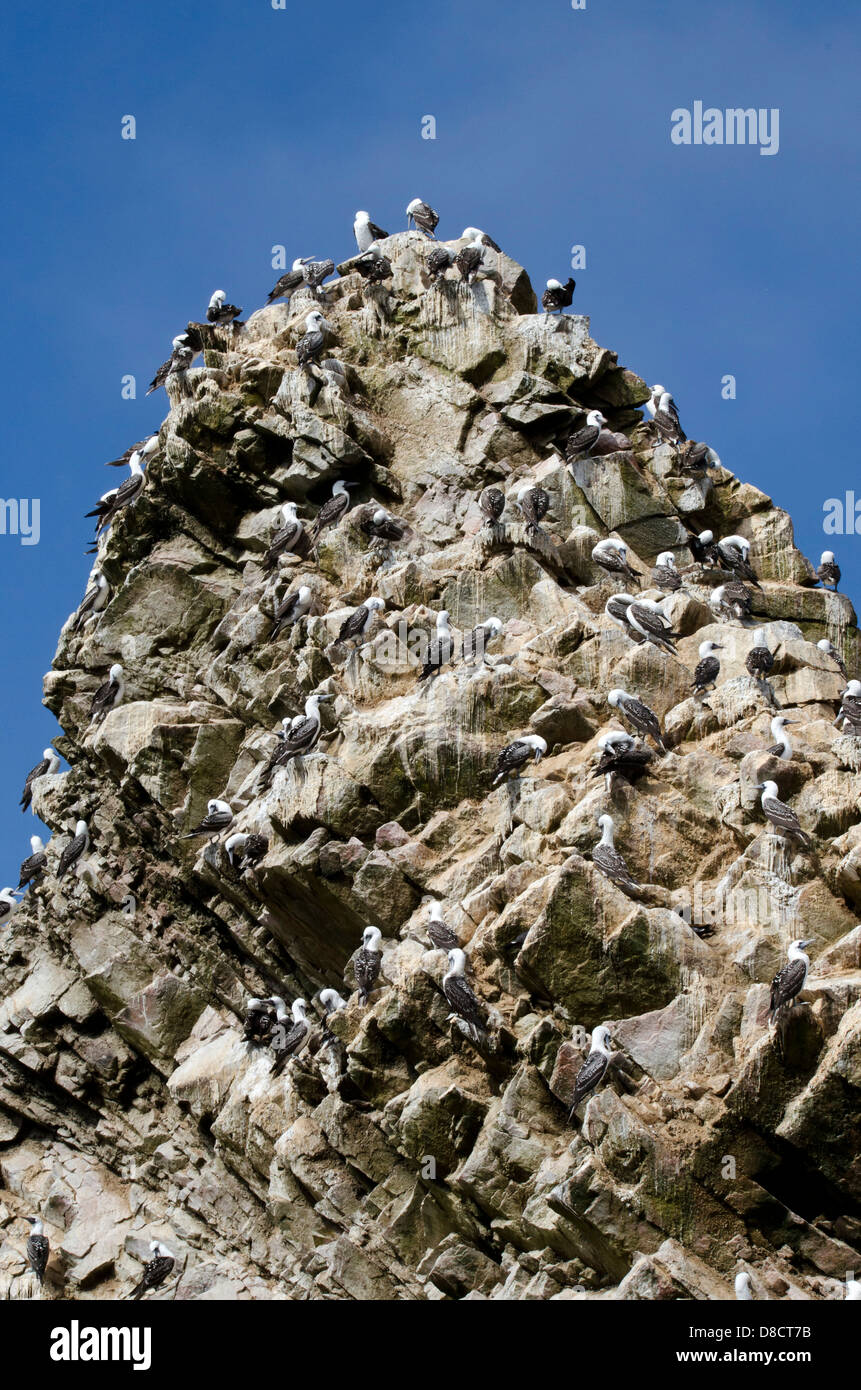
(401, 1159)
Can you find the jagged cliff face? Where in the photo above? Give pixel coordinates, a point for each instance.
(402, 1161)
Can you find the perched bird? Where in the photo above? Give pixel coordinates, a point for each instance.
(374, 267)
(648, 618)
(181, 358)
(476, 234)
(460, 997)
(616, 609)
(733, 553)
(581, 443)
(760, 659)
(313, 340)
(783, 748)
(704, 549)
(314, 273)
(35, 863)
(286, 539)
(218, 817)
(38, 1247)
(514, 756)
(367, 232)
(294, 607)
(469, 260)
(369, 959)
(478, 639)
(423, 215)
(611, 555)
(593, 1070)
(78, 845)
(442, 936)
(743, 1290)
(289, 1042)
(112, 503)
(355, 627)
(49, 764)
(828, 572)
(291, 280)
(781, 816)
(607, 858)
(694, 456)
(665, 575)
(109, 695)
(244, 851)
(331, 511)
(826, 646)
(557, 296)
(441, 648)
(260, 1017)
(332, 1001)
(666, 417)
(220, 313)
(621, 756)
(534, 503)
(850, 707)
(301, 739)
(644, 720)
(438, 262)
(708, 667)
(791, 979)
(8, 902)
(156, 1270)
(731, 600)
(93, 601)
(380, 525)
(491, 504)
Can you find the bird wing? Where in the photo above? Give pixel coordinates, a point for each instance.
(781, 815)
(377, 232)
(581, 440)
(611, 863)
(352, 626)
(653, 622)
(70, 853)
(299, 737)
(588, 1077)
(512, 756)
(366, 968)
(786, 983)
(463, 1001)
(706, 670)
(442, 936)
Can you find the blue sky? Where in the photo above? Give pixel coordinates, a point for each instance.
(257, 126)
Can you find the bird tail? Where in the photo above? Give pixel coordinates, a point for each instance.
(139, 1291)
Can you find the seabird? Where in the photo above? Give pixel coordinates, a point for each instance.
(581, 443)
(616, 609)
(380, 525)
(367, 232)
(294, 607)
(38, 1247)
(360, 619)
(222, 314)
(760, 659)
(423, 215)
(218, 817)
(156, 1270)
(644, 720)
(313, 340)
(332, 510)
(144, 447)
(665, 575)
(826, 646)
(109, 695)
(259, 1019)
(460, 996)
(332, 1001)
(286, 538)
(374, 267)
(514, 756)
(592, 1072)
(621, 755)
(733, 553)
(611, 556)
(558, 296)
(666, 418)
(49, 764)
(743, 1291)
(790, 980)
(476, 234)
(828, 572)
(783, 748)
(850, 707)
(34, 864)
(708, 667)
(703, 549)
(8, 902)
(438, 262)
(491, 504)
(181, 358)
(93, 601)
(534, 503)
(648, 618)
(695, 455)
(301, 738)
(291, 279)
(244, 851)
(441, 935)
(469, 260)
(731, 600)
(366, 967)
(78, 845)
(123, 496)
(478, 639)
(314, 273)
(781, 816)
(607, 858)
(441, 648)
(295, 1038)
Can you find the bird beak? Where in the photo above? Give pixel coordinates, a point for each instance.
(759, 786)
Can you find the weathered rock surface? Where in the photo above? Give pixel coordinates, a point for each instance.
(400, 1161)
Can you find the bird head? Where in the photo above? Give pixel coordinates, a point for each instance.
(371, 938)
(596, 418)
(827, 557)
